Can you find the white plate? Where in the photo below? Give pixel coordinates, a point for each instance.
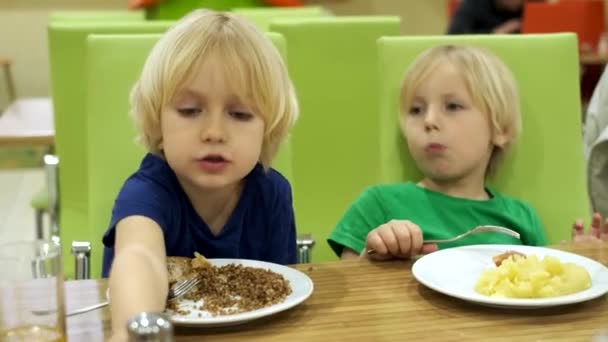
(454, 272)
(301, 289)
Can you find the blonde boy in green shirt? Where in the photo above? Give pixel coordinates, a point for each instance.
(460, 114)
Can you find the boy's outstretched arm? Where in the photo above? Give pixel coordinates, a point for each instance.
(138, 279)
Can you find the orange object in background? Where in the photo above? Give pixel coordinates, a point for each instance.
(137, 4)
(452, 6)
(285, 3)
(584, 17)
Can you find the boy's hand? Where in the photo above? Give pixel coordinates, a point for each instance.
(597, 232)
(396, 239)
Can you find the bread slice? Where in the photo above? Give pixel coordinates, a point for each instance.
(179, 268)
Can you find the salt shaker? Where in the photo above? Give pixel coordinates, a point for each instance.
(150, 327)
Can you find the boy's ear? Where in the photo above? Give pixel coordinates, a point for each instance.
(501, 139)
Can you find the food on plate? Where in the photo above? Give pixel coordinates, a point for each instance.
(526, 276)
(227, 289)
(498, 259)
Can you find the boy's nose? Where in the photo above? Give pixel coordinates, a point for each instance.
(431, 120)
(213, 129)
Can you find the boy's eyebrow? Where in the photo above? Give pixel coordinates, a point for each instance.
(452, 94)
(417, 98)
(186, 93)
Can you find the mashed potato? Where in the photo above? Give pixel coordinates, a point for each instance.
(527, 277)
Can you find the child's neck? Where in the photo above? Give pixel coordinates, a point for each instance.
(215, 206)
(463, 188)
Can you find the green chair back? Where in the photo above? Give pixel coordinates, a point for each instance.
(96, 15)
(67, 45)
(263, 16)
(546, 167)
(335, 143)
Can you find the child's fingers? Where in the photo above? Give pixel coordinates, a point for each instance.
(604, 231)
(376, 256)
(416, 239)
(578, 234)
(596, 220)
(428, 248)
(596, 225)
(374, 242)
(577, 227)
(389, 239)
(403, 236)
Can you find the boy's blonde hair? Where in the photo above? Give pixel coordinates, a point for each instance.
(489, 81)
(251, 62)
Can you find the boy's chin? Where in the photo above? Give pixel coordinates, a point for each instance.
(442, 176)
(217, 183)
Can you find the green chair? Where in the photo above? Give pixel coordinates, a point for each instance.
(332, 62)
(96, 15)
(40, 201)
(263, 16)
(113, 65)
(67, 43)
(546, 167)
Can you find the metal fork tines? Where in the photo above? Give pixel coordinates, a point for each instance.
(183, 288)
(175, 292)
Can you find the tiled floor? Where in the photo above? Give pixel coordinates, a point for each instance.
(17, 187)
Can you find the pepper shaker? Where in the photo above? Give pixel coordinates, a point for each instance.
(150, 327)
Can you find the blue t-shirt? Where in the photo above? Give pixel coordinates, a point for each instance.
(261, 226)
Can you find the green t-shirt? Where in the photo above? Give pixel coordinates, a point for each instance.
(438, 215)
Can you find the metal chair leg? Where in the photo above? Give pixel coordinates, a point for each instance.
(39, 224)
(305, 244)
(81, 250)
(51, 164)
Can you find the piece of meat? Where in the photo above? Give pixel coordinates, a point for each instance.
(179, 268)
(498, 259)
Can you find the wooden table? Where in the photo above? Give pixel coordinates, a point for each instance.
(27, 121)
(363, 301)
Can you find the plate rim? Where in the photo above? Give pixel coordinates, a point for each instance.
(572, 298)
(244, 317)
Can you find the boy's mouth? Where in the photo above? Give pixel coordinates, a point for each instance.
(434, 147)
(213, 163)
(214, 158)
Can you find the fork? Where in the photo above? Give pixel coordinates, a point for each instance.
(476, 230)
(175, 292)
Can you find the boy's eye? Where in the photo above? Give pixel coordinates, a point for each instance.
(415, 110)
(452, 106)
(188, 112)
(242, 116)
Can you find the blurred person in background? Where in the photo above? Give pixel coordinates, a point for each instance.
(487, 16)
